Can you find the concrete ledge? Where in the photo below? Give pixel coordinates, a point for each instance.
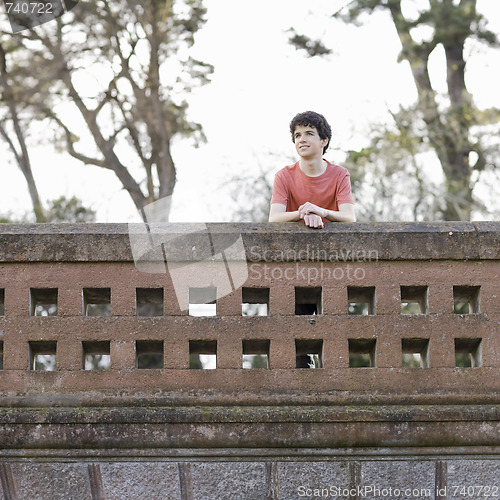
(251, 414)
(269, 242)
(205, 427)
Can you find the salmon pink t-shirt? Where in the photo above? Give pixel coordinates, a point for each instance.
(293, 188)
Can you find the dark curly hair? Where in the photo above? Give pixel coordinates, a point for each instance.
(312, 119)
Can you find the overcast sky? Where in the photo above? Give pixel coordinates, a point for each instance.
(260, 82)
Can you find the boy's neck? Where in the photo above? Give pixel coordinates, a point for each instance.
(312, 167)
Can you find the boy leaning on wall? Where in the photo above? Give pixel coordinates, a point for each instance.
(313, 189)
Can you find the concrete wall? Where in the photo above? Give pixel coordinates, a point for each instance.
(279, 432)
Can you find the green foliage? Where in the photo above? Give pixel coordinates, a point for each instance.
(150, 361)
(463, 360)
(69, 210)
(44, 362)
(358, 7)
(359, 360)
(411, 360)
(61, 209)
(388, 177)
(97, 362)
(311, 47)
(195, 362)
(358, 308)
(256, 361)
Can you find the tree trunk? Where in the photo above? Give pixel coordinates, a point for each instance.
(448, 133)
(21, 155)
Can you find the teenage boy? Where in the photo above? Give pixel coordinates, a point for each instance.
(313, 189)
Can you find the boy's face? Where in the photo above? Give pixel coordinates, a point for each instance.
(308, 142)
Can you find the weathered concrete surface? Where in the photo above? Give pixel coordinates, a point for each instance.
(272, 242)
(167, 429)
(252, 480)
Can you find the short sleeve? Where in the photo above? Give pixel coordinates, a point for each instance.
(280, 190)
(344, 194)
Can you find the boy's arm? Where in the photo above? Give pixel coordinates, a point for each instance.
(345, 212)
(278, 213)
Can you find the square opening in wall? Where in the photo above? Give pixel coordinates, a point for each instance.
(414, 300)
(254, 301)
(43, 302)
(256, 353)
(203, 354)
(149, 354)
(97, 301)
(149, 302)
(42, 355)
(361, 300)
(362, 353)
(2, 301)
(308, 300)
(308, 353)
(468, 353)
(96, 355)
(415, 353)
(203, 301)
(466, 299)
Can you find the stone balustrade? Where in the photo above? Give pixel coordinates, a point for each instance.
(263, 342)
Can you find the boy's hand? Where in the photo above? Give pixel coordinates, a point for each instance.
(313, 220)
(310, 208)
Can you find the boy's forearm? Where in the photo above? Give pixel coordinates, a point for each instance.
(285, 217)
(334, 216)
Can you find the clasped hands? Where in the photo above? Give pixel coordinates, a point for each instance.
(312, 215)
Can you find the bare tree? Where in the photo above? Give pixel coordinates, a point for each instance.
(110, 76)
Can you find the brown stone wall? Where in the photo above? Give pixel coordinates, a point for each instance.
(289, 422)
